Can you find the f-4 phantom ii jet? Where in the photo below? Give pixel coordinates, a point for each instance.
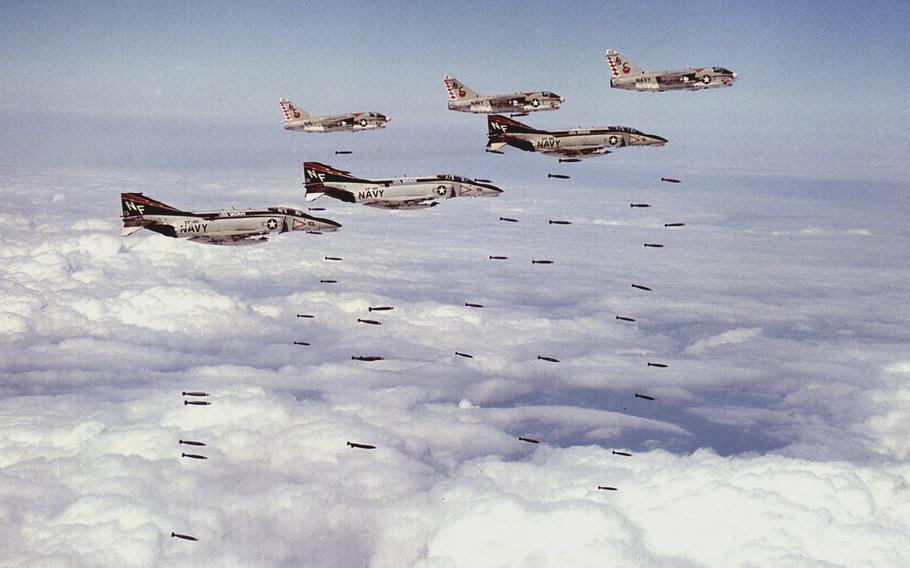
(396, 193)
(463, 99)
(296, 119)
(574, 143)
(625, 75)
(234, 227)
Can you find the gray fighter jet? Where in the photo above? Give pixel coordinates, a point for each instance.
(296, 119)
(233, 227)
(574, 143)
(625, 75)
(463, 99)
(395, 193)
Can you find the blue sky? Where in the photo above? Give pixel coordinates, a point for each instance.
(819, 92)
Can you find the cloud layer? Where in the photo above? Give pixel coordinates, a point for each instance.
(95, 483)
(777, 433)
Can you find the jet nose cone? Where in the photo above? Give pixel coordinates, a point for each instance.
(646, 140)
(733, 75)
(655, 140)
(322, 224)
(485, 189)
(562, 99)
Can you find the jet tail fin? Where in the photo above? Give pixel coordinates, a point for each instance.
(498, 125)
(619, 65)
(458, 90)
(136, 205)
(317, 177)
(291, 112)
(319, 173)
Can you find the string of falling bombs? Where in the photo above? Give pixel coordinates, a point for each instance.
(197, 398)
(370, 321)
(475, 305)
(192, 399)
(549, 359)
(380, 308)
(643, 288)
(374, 322)
(543, 358)
(363, 321)
(360, 321)
(359, 445)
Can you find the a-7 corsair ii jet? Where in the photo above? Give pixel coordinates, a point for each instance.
(395, 193)
(574, 143)
(296, 119)
(463, 99)
(232, 227)
(625, 75)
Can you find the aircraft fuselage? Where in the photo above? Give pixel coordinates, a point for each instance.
(575, 142)
(393, 193)
(406, 193)
(231, 227)
(684, 80)
(354, 122)
(514, 103)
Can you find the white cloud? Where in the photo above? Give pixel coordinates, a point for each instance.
(732, 337)
(777, 346)
(281, 488)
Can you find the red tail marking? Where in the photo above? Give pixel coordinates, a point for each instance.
(143, 201)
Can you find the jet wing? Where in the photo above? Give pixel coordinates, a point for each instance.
(496, 146)
(237, 240)
(677, 77)
(419, 203)
(578, 151)
(337, 121)
(133, 224)
(508, 100)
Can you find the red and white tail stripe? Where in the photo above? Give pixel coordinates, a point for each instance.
(611, 59)
(290, 113)
(451, 91)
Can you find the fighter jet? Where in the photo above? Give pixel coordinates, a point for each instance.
(396, 193)
(627, 76)
(577, 142)
(296, 119)
(463, 99)
(232, 227)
